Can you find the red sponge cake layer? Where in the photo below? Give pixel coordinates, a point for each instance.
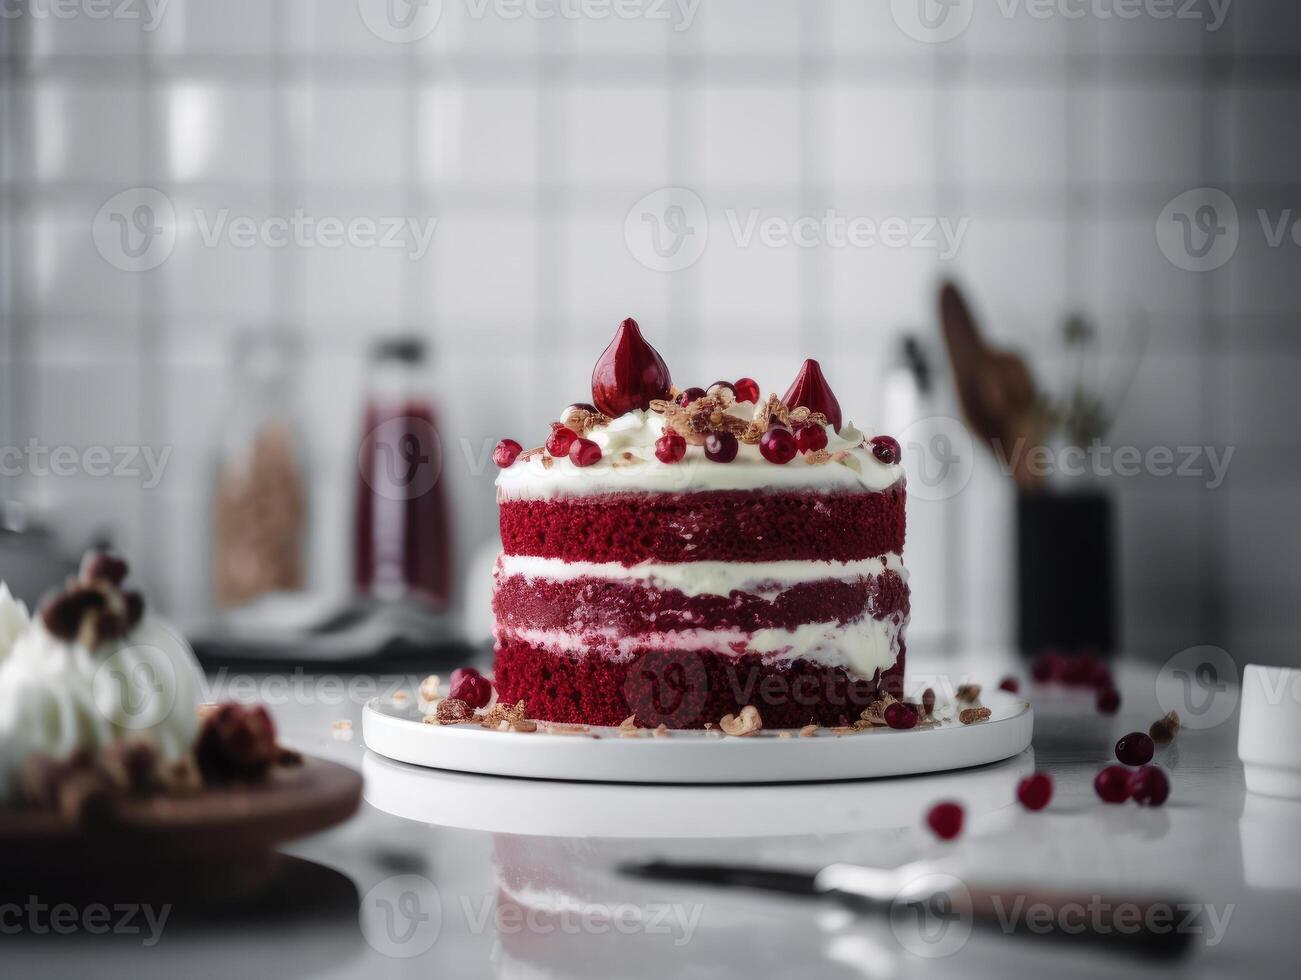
(743, 526)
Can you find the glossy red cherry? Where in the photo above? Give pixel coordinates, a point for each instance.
(561, 438)
(1112, 784)
(629, 374)
(506, 452)
(747, 390)
(1135, 749)
(688, 395)
(900, 715)
(946, 820)
(1035, 791)
(461, 672)
(584, 452)
(886, 449)
(721, 447)
(670, 447)
(810, 390)
(810, 438)
(718, 386)
(1009, 684)
(474, 689)
(1149, 786)
(1108, 701)
(777, 445)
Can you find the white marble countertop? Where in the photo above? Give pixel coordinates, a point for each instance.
(453, 875)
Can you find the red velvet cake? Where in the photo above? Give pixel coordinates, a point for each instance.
(677, 555)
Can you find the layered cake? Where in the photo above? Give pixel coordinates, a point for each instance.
(675, 556)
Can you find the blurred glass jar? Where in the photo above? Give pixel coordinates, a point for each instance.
(259, 510)
(402, 537)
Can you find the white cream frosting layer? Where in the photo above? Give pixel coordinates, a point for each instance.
(695, 578)
(57, 697)
(862, 646)
(635, 433)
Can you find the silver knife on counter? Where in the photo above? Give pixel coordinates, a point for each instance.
(1150, 927)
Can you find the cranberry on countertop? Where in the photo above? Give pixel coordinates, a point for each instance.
(1112, 784)
(1035, 791)
(945, 819)
(1149, 786)
(1135, 749)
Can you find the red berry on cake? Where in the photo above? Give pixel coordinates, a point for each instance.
(1149, 786)
(946, 820)
(1135, 749)
(747, 390)
(460, 673)
(630, 374)
(670, 447)
(1035, 791)
(886, 449)
(810, 438)
(900, 714)
(1112, 784)
(474, 689)
(506, 452)
(721, 447)
(810, 390)
(561, 438)
(584, 452)
(687, 395)
(777, 445)
(719, 386)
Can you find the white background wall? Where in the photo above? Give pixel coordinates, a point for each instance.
(1058, 140)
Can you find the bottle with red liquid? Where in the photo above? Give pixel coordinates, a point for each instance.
(402, 543)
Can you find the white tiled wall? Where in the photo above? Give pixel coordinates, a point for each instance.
(1058, 141)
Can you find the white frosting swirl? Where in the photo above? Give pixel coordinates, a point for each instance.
(13, 620)
(635, 434)
(57, 697)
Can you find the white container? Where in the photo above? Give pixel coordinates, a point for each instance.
(1269, 730)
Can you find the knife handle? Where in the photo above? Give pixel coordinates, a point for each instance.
(1149, 927)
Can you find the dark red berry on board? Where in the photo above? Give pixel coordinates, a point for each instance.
(474, 689)
(561, 438)
(1035, 791)
(901, 715)
(810, 390)
(630, 374)
(810, 438)
(1112, 784)
(747, 390)
(506, 452)
(584, 452)
(886, 449)
(721, 447)
(946, 820)
(670, 447)
(1149, 786)
(777, 445)
(1108, 701)
(1135, 749)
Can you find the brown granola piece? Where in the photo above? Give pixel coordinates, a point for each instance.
(1164, 729)
(969, 716)
(967, 692)
(452, 711)
(748, 722)
(808, 731)
(928, 701)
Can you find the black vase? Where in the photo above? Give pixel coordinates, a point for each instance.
(1065, 573)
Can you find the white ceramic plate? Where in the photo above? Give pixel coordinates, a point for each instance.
(396, 731)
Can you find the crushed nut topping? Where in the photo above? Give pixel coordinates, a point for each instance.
(747, 723)
(661, 730)
(808, 731)
(874, 713)
(928, 701)
(819, 457)
(1164, 729)
(969, 716)
(429, 688)
(968, 692)
(451, 711)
